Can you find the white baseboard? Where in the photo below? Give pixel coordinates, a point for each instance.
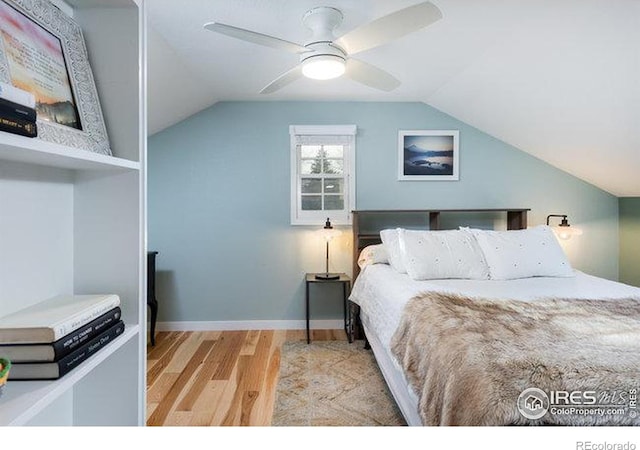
(250, 325)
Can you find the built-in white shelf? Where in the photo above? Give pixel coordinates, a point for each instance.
(18, 148)
(75, 221)
(23, 400)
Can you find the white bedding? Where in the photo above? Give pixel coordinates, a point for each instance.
(382, 293)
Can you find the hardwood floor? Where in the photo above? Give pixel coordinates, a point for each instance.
(217, 377)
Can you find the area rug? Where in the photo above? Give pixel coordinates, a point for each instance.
(332, 383)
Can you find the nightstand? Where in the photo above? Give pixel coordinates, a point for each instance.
(345, 280)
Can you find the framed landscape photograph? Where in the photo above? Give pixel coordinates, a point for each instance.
(42, 51)
(431, 155)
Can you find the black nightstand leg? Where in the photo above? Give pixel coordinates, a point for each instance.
(307, 301)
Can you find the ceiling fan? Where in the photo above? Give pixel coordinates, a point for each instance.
(324, 57)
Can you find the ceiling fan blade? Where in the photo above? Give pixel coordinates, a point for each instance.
(256, 38)
(370, 75)
(284, 79)
(389, 27)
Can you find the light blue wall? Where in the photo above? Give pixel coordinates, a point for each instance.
(630, 240)
(219, 202)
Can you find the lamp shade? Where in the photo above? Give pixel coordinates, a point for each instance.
(564, 230)
(328, 232)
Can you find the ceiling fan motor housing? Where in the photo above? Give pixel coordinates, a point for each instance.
(322, 21)
(322, 49)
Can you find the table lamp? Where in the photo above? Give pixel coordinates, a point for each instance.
(328, 233)
(564, 230)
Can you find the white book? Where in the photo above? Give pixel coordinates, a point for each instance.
(15, 95)
(54, 318)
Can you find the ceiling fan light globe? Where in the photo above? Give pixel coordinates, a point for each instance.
(324, 67)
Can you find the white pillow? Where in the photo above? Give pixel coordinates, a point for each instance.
(373, 254)
(392, 245)
(439, 255)
(534, 252)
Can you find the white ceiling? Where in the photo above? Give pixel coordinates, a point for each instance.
(559, 79)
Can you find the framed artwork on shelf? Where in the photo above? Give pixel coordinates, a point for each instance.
(431, 155)
(42, 51)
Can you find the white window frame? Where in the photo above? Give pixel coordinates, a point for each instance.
(338, 217)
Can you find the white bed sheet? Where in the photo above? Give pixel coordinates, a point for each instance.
(382, 293)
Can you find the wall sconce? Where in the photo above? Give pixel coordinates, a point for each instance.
(328, 233)
(564, 230)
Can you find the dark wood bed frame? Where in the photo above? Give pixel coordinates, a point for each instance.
(364, 235)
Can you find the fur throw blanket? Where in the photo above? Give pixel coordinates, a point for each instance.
(469, 359)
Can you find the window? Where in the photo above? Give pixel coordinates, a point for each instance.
(322, 174)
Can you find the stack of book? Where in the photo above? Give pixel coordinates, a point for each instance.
(17, 111)
(49, 339)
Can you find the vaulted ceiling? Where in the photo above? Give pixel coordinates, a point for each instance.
(559, 79)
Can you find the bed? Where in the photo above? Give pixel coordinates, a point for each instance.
(382, 295)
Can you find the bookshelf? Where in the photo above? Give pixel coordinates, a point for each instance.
(74, 222)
